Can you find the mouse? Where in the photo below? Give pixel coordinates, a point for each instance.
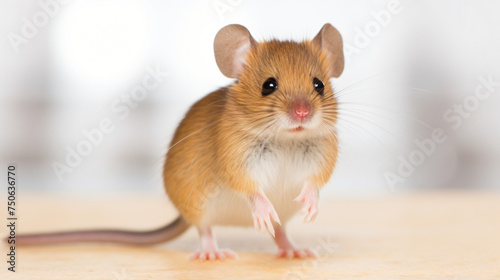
(253, 153)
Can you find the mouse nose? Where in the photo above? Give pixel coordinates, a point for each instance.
(302, 112)
(301, 108)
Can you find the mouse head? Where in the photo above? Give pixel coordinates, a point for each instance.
(282, 87)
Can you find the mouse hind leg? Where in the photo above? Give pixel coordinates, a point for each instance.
(209, 249)
(285, 247)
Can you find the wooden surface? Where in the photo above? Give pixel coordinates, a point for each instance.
(412, 236)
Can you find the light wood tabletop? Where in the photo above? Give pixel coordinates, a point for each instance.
(437, 235)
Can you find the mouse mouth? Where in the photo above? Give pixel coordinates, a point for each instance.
(297, 129)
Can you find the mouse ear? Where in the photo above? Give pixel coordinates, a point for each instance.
(231, 44)
(330, 41)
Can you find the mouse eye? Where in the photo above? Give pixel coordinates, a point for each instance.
(269, 86)
(318, 85)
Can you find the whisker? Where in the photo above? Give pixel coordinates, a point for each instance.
(427, 125)
(189, 135)
(381, 87)
(379, 126)
(364, 112)
(366, 78)
(379, 142)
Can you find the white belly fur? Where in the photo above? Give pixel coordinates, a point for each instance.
(280, 171)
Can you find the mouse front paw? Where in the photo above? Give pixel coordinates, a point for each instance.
(310, 197)
(262, 213)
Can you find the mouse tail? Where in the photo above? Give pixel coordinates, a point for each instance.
(166, 233)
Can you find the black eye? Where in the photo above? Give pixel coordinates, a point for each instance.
(269, 86)
(318, 85)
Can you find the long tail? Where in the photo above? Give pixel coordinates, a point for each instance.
(166, 233)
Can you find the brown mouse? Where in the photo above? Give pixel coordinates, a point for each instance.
(254, 152)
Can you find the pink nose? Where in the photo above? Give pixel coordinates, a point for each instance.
(302, 112)
(301, 109)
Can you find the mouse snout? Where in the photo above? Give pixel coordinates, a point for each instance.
(300, 109)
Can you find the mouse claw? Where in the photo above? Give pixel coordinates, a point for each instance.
(263, 223)
(213, 255)
(292, 253)
(262, 213)
(301, 197)
(310, 197)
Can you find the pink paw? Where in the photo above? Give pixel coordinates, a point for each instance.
(213, 255)
(262, 213)
(309, 196)
(296, 253)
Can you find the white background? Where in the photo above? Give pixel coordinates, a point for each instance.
(426, 58)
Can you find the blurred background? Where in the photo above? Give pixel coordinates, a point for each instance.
(411, 65)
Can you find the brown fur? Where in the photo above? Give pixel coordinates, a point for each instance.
(212, 142)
